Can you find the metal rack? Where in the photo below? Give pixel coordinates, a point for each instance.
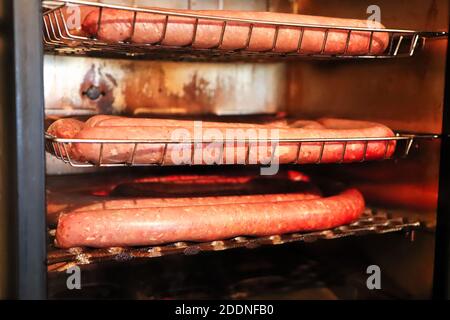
(59, 39)
(372, 222)
(60, 148)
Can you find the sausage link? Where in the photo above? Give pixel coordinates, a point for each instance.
(70, 17)
(176, 190)
(66, 129)
(152, 226)
(77, 203)
(310, 152)
(117, 25)
(140, 203)
(116, 121)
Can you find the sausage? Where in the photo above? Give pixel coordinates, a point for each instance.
(310, 152)
(116, 121)
(116, 26)
(136, 203)
(153, 226)
(150, 191)
(70, 16)
(77, 203)
(66, 129)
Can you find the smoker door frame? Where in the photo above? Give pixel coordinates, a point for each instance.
(441, 276)
(26, 140)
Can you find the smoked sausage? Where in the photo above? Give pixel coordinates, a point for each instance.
(152, 226)
(308, 152)
(150, 28)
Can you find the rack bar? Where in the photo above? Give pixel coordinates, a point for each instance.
(372, 222)
(61, 147)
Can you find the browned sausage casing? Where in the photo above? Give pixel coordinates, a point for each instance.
(310, 152)
(140, 203)
(66, 129)
(117, 25)
(151, 226)
(116, 121)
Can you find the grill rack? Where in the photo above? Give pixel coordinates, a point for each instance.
(372, 222)
(58, 38)
(60, 147)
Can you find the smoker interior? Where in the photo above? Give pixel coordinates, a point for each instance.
(318, 266)
(320, 270)
(405, 94)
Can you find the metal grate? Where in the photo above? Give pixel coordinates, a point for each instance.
(59, 39)
(60, 148)
(372, 222)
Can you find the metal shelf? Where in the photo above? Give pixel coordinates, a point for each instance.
(372, 222)
(60, 148)
(58, 38)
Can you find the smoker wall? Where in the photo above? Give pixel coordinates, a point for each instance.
(154, 87)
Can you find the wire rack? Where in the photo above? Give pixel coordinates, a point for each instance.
(372, 222)
(59, 39)
(60, 148)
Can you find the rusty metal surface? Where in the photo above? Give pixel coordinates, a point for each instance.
(372, 222)
(136, 87)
